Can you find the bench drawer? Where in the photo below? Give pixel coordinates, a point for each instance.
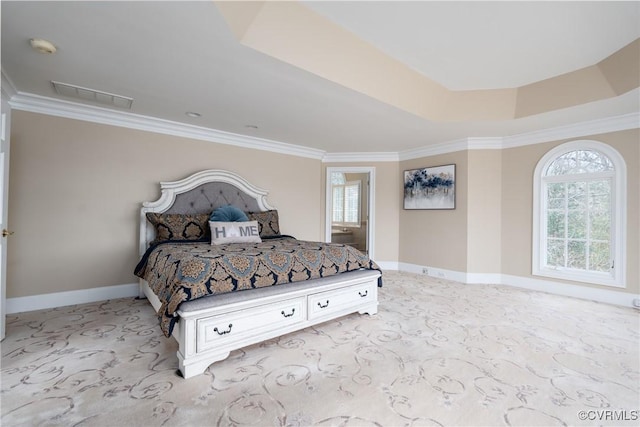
(244, 324)
(339, 300)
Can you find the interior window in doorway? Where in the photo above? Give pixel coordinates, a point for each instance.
(346, 201)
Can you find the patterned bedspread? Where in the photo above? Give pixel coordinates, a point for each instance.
(179, 271)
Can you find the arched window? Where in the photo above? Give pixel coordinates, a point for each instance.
(579, 216)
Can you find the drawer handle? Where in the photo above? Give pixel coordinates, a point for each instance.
(223, 332)
(323, 306)
(293, 310)
(362, 295)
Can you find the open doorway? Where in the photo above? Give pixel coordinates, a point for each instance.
(350, 206)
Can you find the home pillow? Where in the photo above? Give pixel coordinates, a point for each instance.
(268, 223)
(228, 213)
(179, 226)
(234, 232)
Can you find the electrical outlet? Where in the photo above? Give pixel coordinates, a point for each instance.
(425, 271)
(636, 302)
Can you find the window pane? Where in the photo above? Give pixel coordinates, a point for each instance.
(556, 193)
(337, 178)
(577, 192)
(555, 253)
(600, 225)
(577, 225)
(599, 256)
(338, 203)
(352, 203)
(580, 161)
(599, 195)
(346, 203)
(592, 161)
(577, 254)
(563, 164)
(555, 224)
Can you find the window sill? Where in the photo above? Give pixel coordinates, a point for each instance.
(602, 279)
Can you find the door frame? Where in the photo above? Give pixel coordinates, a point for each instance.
(371, 208)
(5, 140)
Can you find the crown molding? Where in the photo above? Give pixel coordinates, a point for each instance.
(435, 149)
(575, 130)
(72, 110)
(360, 157)
(485, 143)
(464, 144)
(7, 86)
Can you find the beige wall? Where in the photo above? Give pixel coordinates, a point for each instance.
(387, 209)
(518, 165)
(436, 238)
(484, 205)
(490, 231)
(76, 188)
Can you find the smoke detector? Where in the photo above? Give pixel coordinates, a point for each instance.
(42, 46)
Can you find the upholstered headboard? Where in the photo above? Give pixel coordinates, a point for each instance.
(202, 192)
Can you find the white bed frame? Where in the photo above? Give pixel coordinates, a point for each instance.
(209, 329)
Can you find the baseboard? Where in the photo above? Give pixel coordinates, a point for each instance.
(438, 273)
(61, 299)
(484, 278)
(576, 291)
(388, 265)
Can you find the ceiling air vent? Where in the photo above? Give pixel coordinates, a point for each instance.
(92, 95)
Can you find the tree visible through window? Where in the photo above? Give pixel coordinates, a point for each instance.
(577, 222)
(579, 211)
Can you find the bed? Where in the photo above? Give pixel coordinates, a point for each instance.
(214, 299)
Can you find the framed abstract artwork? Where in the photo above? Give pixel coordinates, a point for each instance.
(430, 188)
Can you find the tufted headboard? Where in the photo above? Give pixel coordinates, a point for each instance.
(202, 192)
(206, 197)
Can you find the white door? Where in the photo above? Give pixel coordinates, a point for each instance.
(4, 184)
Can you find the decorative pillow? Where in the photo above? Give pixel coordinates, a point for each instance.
(179, 226)
(228, 213)
(234, 232)
(268, 222)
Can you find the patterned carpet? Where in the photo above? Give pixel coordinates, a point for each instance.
(437, 353)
